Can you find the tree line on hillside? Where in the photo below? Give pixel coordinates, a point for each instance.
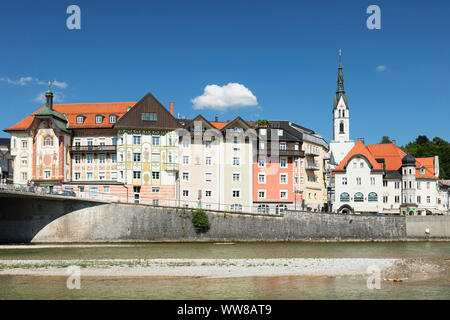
(424, 147)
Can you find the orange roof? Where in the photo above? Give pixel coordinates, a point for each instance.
(392, 156)
(219, 125)
(88, 110)
(359, 149)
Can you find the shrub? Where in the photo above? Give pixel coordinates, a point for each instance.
(262, 123)
(200, 221)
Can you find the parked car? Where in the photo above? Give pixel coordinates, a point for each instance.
(65, 193)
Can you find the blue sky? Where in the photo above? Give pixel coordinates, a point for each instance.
(284, 52)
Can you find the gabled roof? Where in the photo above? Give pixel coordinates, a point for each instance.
(133, 118)
(359, 149)
(391, 154)
(198, 118)
(237, 119)
(428, 164)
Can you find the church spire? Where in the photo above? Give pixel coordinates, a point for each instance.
(340, 92)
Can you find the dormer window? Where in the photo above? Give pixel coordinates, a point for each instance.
(98, 119)
(80, 119)
(112, 118)
(48, 141)
(422, 170)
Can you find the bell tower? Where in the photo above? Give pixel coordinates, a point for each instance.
(341, 115)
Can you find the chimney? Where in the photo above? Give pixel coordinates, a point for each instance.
(362, 139)
(171, 108)
(394, 142)
(49, 97)
(216, 118)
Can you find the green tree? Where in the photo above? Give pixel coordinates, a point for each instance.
(385, 139)
(423, 147)
(200, 220)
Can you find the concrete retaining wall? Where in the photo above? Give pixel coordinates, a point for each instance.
(439, 226)
(51, 220)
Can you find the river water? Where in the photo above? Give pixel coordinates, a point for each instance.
(288, 287)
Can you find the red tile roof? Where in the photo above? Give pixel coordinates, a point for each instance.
(88, 110)
(392, 156)
(359, 149)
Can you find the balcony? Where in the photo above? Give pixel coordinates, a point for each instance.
(287, 152)
(312, 166)
(106, 148)
(312, 153)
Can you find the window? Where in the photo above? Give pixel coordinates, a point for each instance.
(358, 180)
(344, 180)
(418, 185)
(283, 178)
(24, 176)
(113, 158)
(48, 141)
(137, 157)
(361, 165)
(155, 189)
(296, 147)
(90, 142)
(428, 185)
(121, 140)
(90, 158)
(102, 158)
(137, 140)
(261, 145)
(136, 174)
(208, 193)
(155, 141)
(105, 189)
(208, 177)
(208, 161)
(373, 197)
(98, 119)
(261, 178)
(101, 176)
(24, 161)
(185, 176)
(137, 194)
(149, 116)
(261, 163)
(296, 179)
(262, 132)
(280, 208)
(24, 144)
(102, 141)
(121, 174)
(156, 157)
(77, 159)
(372, 180)
(170, 157)
(170, 141)
(359, 197)
(282, 146)
(185, 159)
(283, 163)
(185, 193)
(77, 175)
(235, 161)
(80, 119)
(280, 132)
(263, 208)
(121, 157)
(397, 199)
(89, 176)
(261, 194)
(283, 194)
(397, 184)
(114, 141)
(93, 191)
(419, 199)
(208, 144)
(385, 199)
(296, 163)
(235, 207)
(385, 183)
(345, 197)
(112, 118)
(236, 177)
(113, 175)
(77, 143)
(236, 193)
(428, 199)
(185, 142)
(155, 175)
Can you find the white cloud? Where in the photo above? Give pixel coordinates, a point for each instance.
(381, 68)
(58, 97)
(222, 97)
(23, 81)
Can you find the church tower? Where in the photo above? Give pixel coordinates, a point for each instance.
(341, 115)
(341, 143)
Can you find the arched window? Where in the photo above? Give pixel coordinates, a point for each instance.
(359, 197)
(373, 196)
(345, 197)
(48, 141)
(341, 127)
